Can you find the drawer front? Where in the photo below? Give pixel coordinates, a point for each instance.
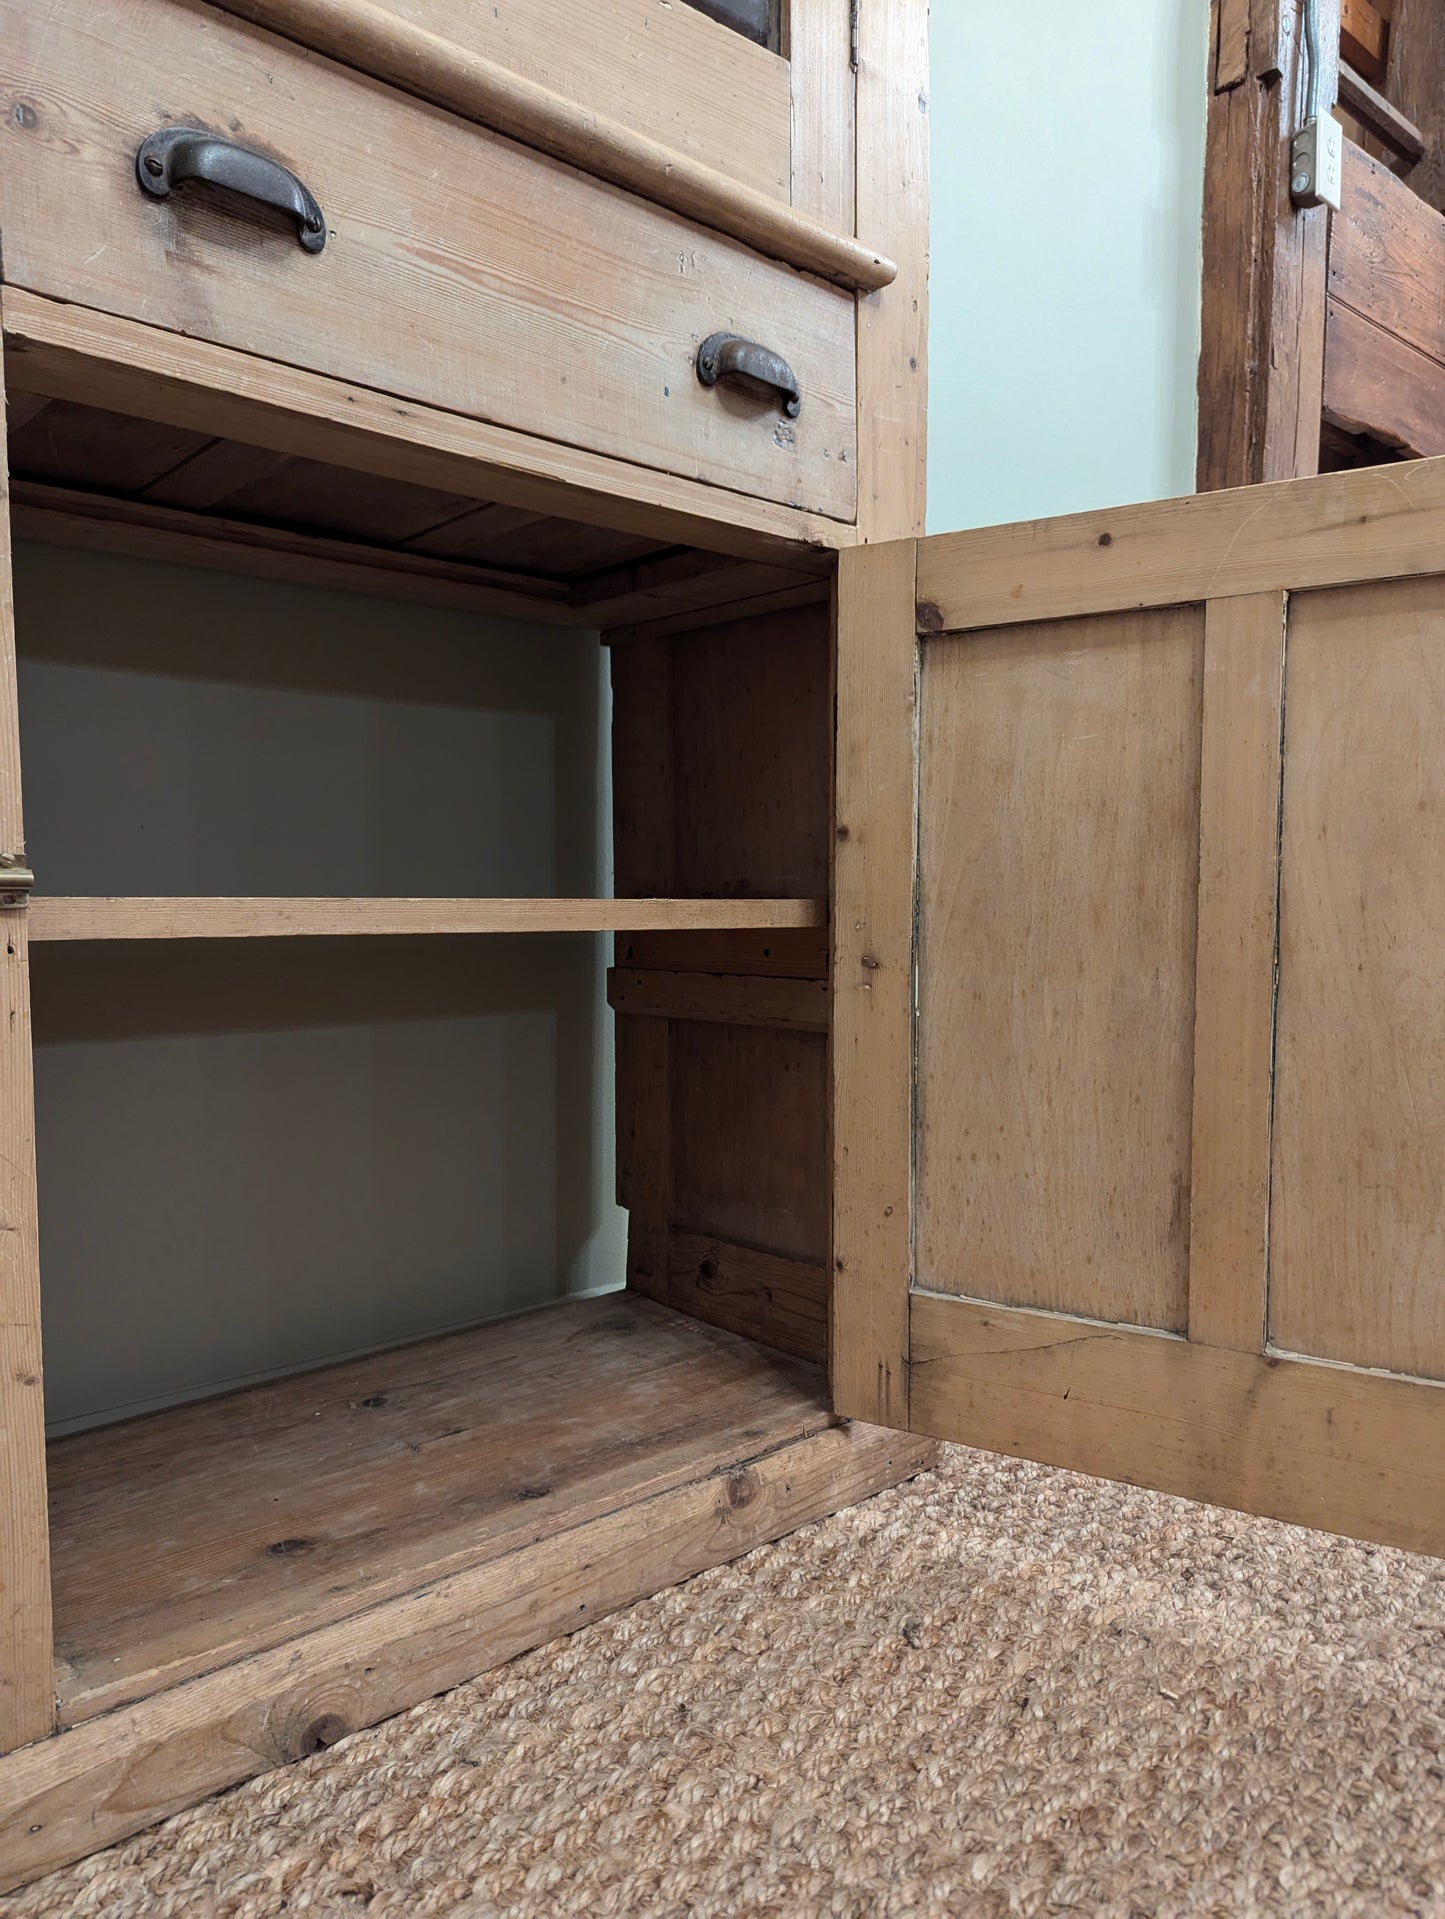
(459, 268)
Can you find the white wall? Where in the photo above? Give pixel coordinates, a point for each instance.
(1067, 182)
(259, 1155)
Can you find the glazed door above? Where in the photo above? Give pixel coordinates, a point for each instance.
(1139, 1026)
(779, 121)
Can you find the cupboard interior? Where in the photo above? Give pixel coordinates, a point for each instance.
(187, 1537)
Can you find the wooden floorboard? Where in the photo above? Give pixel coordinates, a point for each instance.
(192, 1537)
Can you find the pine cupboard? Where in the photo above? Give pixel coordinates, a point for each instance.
(1027, 942)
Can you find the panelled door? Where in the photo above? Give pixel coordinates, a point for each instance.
(1139, 1021)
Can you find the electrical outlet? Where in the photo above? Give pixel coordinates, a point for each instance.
(1317, 163)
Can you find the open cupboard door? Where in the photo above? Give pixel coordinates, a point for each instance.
(1139, 975)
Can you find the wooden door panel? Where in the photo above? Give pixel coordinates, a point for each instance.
(1357, 1256)
(1053, 1092)
(1139, 1016)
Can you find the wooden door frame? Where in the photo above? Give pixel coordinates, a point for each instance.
(1262, 339)
(1218, 1415)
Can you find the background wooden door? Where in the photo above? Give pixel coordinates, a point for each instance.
(1139, 1034)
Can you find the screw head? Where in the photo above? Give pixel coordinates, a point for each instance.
(154, 165)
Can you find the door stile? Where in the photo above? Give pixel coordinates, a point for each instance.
(27, 1678)
(874, 867)
(1237, 944)
(1190, 1398)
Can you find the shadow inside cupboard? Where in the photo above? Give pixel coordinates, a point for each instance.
(360, 1184)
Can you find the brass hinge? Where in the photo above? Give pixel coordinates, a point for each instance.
(853, 6)
(16, 879)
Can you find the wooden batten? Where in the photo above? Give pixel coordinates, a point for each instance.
(789, 1005)
(872, 967)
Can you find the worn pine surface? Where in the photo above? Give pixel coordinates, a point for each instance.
(26, 1696)
(56, 917)
(778, 1302)
(1233, 1095)
(121, 366)
(126, 1769)
(460, 270)
(873, 904)
(892, 207)
(750, 1136)
(364, 35)
(663, 70)
(1322, 1446)
(191, 1537)
(1377, 524)
(823, 86)
(1358, 1189)
(1058, 858)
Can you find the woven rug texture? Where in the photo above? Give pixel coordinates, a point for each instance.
(998, 1690)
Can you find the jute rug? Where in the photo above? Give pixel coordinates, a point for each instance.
(998, 1690)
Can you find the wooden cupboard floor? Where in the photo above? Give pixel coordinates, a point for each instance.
(186, 1539)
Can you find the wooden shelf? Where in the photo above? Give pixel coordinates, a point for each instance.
(191, 1538)
(99, 918)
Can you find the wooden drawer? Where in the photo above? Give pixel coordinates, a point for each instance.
(459, 268)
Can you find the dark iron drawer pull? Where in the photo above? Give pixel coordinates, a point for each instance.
(728, 356)
(175, 154)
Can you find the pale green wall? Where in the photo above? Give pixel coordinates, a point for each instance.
(1067, 179)
(263, 1154)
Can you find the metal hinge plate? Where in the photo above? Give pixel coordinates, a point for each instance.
(16, 880)
(853, 6)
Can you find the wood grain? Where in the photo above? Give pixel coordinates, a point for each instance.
(380, 1476)
(1415, 81)
(750, 1136)
(1263, 316)
(778, 1302)
(644, 861)
(1382, 117)
(1380, 385)
(1231, 42)
(121, 366)
(27, 1698)
(591, 303)
(873, 901)
(129, 1768)
(1375, 524)
(1358, 1209)
(1317, 1445)
(1234, 979)
(94, 522)
(367, 35)
(662, 71)
(1387, 254)
(796, 954)
(752, 745)
(822, 87)
(1057, 872)
(741, 999)
(54, 917)
(892, 204)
